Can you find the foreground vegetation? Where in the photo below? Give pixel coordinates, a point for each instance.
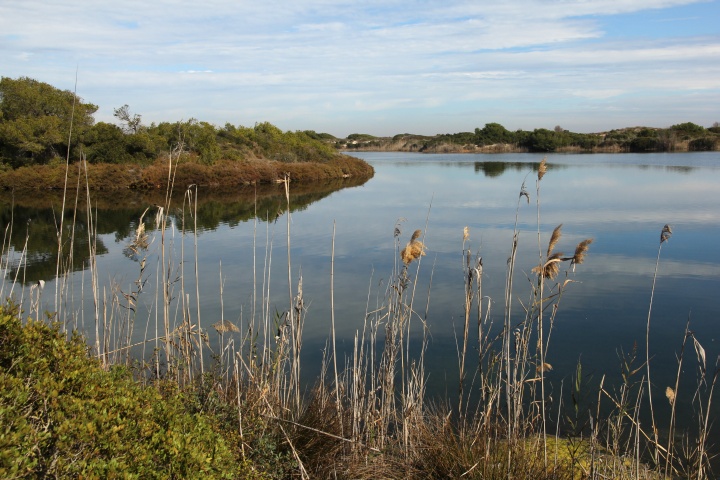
(43, 128)
(184, 404)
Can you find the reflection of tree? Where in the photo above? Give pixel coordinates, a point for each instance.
(495, 169)
(37, 227)
(680, 169)
(35, 217)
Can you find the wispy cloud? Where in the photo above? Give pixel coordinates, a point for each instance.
(376, 66)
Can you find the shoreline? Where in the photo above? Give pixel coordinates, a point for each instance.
(222, 174)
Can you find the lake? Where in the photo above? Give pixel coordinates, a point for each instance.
(621, 201)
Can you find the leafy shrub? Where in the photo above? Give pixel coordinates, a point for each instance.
(644, 144)
(62, 415)
(704, 144)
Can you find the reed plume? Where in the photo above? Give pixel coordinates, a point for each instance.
(224, 326)
(670, 394)
(666, 233)
(554, 239)
(414, 249)
(581, 251)
(551, 268)
(542, 169)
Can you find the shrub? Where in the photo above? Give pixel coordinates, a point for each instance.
(704, 144)
(644, 144)
(62, 415)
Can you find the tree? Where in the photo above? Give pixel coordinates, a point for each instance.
(36, 118)
(493, 133)
(106, 143)
(688, 129)
(544, 140)
(130, 122)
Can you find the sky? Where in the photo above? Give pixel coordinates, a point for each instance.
(381, 67)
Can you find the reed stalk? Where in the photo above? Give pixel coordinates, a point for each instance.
(664, 236)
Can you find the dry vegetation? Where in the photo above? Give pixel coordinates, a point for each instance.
(225, 174)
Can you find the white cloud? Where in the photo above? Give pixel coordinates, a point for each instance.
(454, 60)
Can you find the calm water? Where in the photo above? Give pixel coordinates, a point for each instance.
(621, 201)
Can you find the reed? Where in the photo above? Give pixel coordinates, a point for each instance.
(368, 416)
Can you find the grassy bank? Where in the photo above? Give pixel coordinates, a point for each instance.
(237, 406)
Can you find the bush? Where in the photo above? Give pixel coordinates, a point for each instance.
(62, 415)
(704, 144)
(644, 144)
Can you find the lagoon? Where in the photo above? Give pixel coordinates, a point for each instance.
(621, 201)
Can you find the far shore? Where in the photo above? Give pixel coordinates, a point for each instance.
(500, 148)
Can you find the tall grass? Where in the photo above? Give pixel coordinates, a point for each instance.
(369, 415)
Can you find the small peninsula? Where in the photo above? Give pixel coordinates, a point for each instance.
(43, 130)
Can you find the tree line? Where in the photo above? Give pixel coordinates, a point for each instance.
(683, 136)
(40, 124)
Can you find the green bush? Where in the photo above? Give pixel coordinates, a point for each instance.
(644, 144)
(63, 416)
(704, 144)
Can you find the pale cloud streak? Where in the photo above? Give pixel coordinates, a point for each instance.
(380, 66)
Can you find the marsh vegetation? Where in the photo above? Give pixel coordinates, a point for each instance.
(240, 399)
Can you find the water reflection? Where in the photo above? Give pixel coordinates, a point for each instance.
(32, 221)
(495, 169)
(620, 201)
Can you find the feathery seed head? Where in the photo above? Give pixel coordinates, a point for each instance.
(551, 268)
(554, 239)
(225, 326)
(581, 251)
(670, 394)
(413, 250)
(544, 367)
(542, 169)
(665, 234)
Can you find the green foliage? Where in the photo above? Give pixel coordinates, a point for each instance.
(62, 415)
(688, 129)
(493, 133)
(35, 120)
(644, 144)
(106, 143)
(35, 123)
(704, 144)
(361, 137)
(544, 140)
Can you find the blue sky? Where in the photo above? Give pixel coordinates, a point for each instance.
(379, 66)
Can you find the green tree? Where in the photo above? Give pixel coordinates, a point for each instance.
(35, 121)
(544, 140)
(688, 130)
(106, 143)
(493, 133)
(201, 137)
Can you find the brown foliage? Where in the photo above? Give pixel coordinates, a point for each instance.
(188, 172)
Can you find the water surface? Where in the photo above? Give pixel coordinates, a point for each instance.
(620, 201)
